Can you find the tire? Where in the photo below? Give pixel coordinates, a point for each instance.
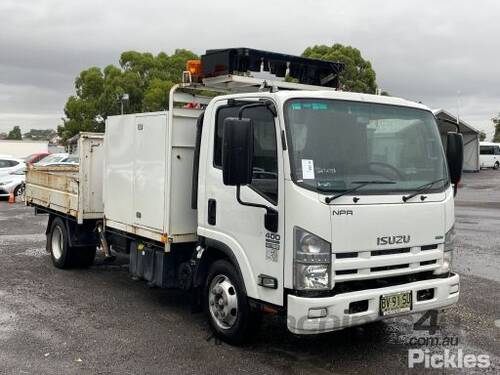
(497, 164)
(226, 305)
(19, 190)
(63, 256)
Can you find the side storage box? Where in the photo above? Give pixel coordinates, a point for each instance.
(148, 174)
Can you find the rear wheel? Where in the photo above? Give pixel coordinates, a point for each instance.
(226, 304)
(497, 164)
(63, 255)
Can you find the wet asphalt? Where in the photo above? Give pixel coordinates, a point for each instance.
(100, 321)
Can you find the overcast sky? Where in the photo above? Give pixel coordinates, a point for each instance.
(444, 53)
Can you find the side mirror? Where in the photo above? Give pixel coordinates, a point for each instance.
(237, 151)
(455, 156)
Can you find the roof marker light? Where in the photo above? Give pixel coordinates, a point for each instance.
(194, 67)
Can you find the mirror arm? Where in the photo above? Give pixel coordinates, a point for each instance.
(238, 198)
(271, 216)
(261, 103)
(450, 122)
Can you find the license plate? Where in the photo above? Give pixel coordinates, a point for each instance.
(395, 303)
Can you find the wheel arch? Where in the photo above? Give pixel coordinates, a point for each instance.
(78, 234)
(215, 250)
(18, 187)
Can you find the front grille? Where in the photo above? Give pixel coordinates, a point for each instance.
(427, 262)
(346, 255)
(390, 251)
(369, 264)
(388, 268)
(345, 272)
(429, 247)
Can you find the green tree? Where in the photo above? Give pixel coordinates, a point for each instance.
(147, 79)
(496, 122)
(40, 134)
(358, 75)
(15, 133)
(482, 136)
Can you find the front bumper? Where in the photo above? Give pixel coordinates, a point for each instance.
(446, 293)
(4, 191)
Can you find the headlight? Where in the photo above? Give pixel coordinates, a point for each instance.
(312, 261)
(449, 245)
(5, 182)
(449, 239)
(447, 260)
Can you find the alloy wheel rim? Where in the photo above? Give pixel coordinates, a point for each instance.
(223, 302)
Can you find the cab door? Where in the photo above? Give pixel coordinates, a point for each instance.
(239, 227)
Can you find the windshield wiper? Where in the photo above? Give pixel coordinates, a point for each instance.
(422, 189)
(361, 184)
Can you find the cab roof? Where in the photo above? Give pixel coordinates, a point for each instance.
(284, 95)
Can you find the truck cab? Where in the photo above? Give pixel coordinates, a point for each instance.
(357, 236)
(330, 208)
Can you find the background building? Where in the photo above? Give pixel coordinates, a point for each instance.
(470, 135)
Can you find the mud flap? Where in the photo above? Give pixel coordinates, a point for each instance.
(152, 264)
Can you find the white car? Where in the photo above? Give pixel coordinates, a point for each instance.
(13, 183)
(54, 159)
(489, 155)
(9, 165)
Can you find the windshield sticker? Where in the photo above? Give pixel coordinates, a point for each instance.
(308, 105)
(308, 169)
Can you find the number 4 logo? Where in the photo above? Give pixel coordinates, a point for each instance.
(432, 317)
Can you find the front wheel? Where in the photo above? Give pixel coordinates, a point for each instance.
(497, 165)
(226, 304)
(19, 190)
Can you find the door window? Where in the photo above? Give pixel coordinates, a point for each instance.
(265, 163)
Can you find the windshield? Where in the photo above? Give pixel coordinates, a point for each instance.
(29, 157)
(54, 158)
(74, 159)
(335, 143)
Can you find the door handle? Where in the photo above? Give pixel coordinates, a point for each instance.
(212, 211)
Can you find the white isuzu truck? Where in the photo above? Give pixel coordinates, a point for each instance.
(331, 208)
